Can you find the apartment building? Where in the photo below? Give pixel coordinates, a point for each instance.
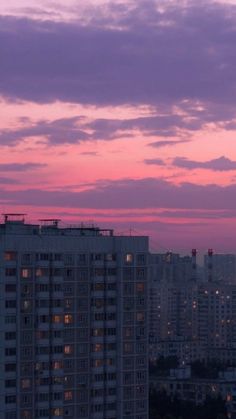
(73, 322)
(190, 317)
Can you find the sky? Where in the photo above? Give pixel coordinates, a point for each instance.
(122, 114)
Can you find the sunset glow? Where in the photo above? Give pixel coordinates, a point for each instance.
(123, 114)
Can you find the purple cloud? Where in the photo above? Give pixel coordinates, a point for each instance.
(8, 181)
(167, 143)
(157, 162)
(60, 131)
(21, 167)
(220, 164)
(154, 193)
(77, 129)
(146, 62)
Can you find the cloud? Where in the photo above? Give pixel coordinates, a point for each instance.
(59, 131)
(143, 55)
(8, 181)
(157, 162)
(131, 194)
(220, 164)
(78, 129)
(160, 144)
(20, 167)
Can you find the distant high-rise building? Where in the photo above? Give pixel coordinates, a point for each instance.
(73, 322)
(220, 267)
(190, 317)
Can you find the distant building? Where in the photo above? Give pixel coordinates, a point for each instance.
(220, 267)
(190, 317)
(73, 322)
(182, 384)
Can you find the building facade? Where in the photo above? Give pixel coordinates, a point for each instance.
(74, 323)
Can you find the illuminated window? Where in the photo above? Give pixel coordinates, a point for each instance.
(25, 383)
(110, 257)
(26, 304)
(98, 363)
(97, 347)
(140, 287)
(68, 318)
(129, 258)
(25, 273)
(68, 349)
(97, 332)
(56, 365)
(41, 272)
(8, 256)
(68, 395)
(140, 317)
(58, 411)
(56, 318)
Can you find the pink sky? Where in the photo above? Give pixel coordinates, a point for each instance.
(122, 113)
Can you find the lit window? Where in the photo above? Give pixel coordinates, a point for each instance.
(140, 287)
(68, 395)
(56, 318)
(57, 365)
(25, 273)
(129, 258)
(98, 363)
(68, 349)
(41, 272)
(58, 411)
(98, 347)
(25, 383)
(68, 318)
(8, 256)
(26, 304)
(140, 317)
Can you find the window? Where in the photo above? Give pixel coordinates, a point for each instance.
(10, 319)
(10, 367)
(68, 395)
(10, 288)
(58, 257)
(26, 273)
(128, 348)
(57, 318)
(140, 316)
(40, 272)
(10, 303)
(58, 411)
(69, 259)
(10, 272)
(10, 383)
(43, 256)
(10, 351)
(10, 399)
(42, 288)
(97, 347)
(26, 258)
(128, 258)
(10, 335)
(81, 259)
(68, 349)
(25, 383)
(68, 319)
(140, 287)
(110, 257)
(141, 259)
(10, 256)
(56, 365)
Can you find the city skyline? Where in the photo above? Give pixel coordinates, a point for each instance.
(122, 113)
